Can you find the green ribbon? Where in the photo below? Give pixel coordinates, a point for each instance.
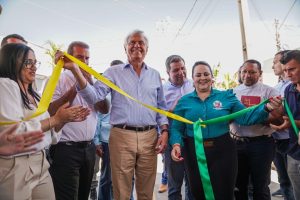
(202, 163)
(200, 153)
(292, 120)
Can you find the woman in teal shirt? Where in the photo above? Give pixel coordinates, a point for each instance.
(207, 103)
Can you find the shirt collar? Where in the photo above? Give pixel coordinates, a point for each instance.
(251, 86)
(127, 64)
(213, 92)
(293, 88)
(178, 86)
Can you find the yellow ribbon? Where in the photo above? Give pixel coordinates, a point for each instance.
(107, 82)
(50, 87)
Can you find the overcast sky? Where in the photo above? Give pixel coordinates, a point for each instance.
(211, 32)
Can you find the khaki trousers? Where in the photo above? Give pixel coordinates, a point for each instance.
(26, 177)
(130, 152)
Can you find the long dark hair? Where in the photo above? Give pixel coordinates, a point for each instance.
(12, 58)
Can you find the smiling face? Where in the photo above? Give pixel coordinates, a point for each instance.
(177, 73)
(136, 48)
(29, 68)
(203, 78)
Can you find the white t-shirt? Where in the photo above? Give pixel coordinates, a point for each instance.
(252, 95)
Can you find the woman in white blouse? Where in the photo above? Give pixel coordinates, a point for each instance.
(25, 175)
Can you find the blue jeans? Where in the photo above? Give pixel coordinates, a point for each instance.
(164, 175)
(280, 161)
(176, 174)
(254, 159)
(105, 184)
(294, 174)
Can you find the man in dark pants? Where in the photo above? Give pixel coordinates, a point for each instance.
(73, 157)
(255, 145)
(291, 62)
(176, 86)
(281, 137)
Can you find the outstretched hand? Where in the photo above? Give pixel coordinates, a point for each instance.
(12, 143)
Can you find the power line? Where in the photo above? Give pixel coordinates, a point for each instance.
(190, 12)
(208, 16)
(261, 18)
(286, 16)
(201, 15)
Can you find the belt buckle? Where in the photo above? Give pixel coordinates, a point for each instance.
(68, 143)
(208, 143)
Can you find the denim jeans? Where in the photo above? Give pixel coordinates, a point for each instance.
(176, 174)
(164, 175)
(280, 161)
(254, 159)
(294, 174)
(105, 184)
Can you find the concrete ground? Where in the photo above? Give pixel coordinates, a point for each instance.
(164, 196)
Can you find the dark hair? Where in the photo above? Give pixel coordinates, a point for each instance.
(173, 59)
(76, 43)
(252, 61)
(290, 55)
(17, 36)
(202, 63)
(116, 62)
(136, 32)
(281, 52)
(12, 58)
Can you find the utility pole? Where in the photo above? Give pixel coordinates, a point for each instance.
(277, 35)
(243, 16)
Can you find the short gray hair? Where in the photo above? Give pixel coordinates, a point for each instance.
(136, 32)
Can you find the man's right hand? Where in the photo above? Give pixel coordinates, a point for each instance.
(68, 64)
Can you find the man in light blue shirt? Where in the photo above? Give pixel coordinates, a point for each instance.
(176, 86)
(133, 139)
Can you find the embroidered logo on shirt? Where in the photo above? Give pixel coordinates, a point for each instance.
(217, 105)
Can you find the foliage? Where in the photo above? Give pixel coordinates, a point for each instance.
(228, 80)
(52, 50)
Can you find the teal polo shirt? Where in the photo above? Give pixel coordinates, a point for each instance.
(217, 104)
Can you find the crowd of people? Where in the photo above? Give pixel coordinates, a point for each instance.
(56, 154)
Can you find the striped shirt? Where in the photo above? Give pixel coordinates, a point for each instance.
(146, 88)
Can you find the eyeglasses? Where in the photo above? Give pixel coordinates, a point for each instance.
(30, 64)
